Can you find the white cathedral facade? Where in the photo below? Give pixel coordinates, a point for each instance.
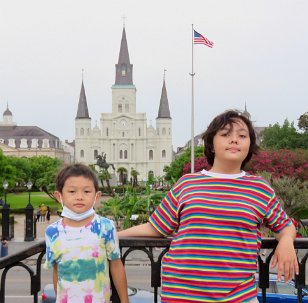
(123, 135)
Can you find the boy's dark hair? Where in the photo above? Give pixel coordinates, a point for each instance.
(75, 170)
(227, 118)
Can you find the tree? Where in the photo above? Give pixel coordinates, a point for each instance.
(134, 174)
(175, 170)
(303, 122)
(282, 137)
(122, 171)
(8, 171)
(104, 175)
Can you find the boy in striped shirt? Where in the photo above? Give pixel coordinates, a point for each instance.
(215, 218)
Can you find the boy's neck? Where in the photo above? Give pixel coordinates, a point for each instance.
(226, 168)
(73, 223)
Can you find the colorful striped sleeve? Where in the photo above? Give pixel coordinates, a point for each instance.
(165, 217)
(276, 217)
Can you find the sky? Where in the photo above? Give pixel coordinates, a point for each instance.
(259, 59)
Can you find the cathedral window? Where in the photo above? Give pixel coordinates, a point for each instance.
(120, 108)
(150, 154)
(95, 154)
(82, 153)
(169, 131)
(125, 154)
(123, 134)
(126, 108)
(107, 132)
(157, 131)
(163, 154)
(123, 69)
(81, 131)
(164, 131)
(121, 154)
(139, 131)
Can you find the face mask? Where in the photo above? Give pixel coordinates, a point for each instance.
(68, 213)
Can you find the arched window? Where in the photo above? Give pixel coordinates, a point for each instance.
(81, 131)
(95, 154)
(150, 154)
(121, 154)
(123, 134)
(126, 108)
(164, 131)
(125, 154)
(107, 132)
(123, 69)
(82, 153)
(163, 154)
(120, 108)
(139, 131)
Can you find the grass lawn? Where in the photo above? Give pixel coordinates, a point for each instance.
(20, 200)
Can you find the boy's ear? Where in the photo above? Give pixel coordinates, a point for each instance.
(57, 194)
(98, 195)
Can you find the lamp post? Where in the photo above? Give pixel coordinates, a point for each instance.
(5, 214)
(29, 216)
(151, 207)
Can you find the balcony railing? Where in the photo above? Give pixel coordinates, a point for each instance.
(127, 246)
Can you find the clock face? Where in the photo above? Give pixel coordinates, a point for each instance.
(123, 123)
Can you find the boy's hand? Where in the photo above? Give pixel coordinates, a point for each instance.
(286, 258)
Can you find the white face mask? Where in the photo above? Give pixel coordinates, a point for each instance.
(68, 213)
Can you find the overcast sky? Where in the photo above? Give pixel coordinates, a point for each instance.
(259, 57)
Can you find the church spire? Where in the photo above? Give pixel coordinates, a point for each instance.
(164, 111)
(82, 112)
(124, 70)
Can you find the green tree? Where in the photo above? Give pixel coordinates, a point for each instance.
(134, 175)
(175, 169)
(303, 122)
(104, 175)
(8, 171)
(122, 171)
(283, 137)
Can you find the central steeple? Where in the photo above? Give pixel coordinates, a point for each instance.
(124, 70)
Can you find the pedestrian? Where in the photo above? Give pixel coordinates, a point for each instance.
(48, 214)
(4, 249)
(43, 212)
(215, 217)
(82, 246)
(38, 214)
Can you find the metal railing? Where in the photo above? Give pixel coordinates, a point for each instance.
(127, 246)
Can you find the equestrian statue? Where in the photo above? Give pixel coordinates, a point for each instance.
(102, 163)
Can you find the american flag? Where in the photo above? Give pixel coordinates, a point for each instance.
(199, 39)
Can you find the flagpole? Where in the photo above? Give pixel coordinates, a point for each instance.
(192, 145)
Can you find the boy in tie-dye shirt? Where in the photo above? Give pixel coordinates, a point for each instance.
(82, 246)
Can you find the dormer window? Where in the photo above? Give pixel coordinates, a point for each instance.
(123, 69)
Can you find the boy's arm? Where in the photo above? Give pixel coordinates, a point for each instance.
(142, 230)
(119, 279)
(285, 255)
(55, 277)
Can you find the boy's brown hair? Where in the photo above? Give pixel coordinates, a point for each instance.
(75, 170)
(227, 118)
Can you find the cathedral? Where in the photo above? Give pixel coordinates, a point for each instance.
(123, 136)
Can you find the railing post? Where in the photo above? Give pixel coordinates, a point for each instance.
(29, 223)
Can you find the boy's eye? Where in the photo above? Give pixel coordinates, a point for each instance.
(87, 191)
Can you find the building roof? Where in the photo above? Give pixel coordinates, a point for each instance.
(124, 70)
(82, 112)
(164, 111)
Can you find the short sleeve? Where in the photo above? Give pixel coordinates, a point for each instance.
(276, 218)
(51, 240)
(111, 241)
(165, 217)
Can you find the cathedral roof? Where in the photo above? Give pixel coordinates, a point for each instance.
(124, 70)
(164, 111)
(82, 112)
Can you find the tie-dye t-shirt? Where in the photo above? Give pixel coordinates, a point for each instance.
(82, 255)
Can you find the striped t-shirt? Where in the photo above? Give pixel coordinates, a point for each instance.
(216, 224)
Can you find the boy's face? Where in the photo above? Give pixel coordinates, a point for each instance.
(78, 194)
(232, 143)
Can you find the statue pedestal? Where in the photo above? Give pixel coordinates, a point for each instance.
(113, 181)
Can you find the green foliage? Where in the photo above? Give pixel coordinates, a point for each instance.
(292, 193)
(303, 122)
(8, 172)
(175, 170)
(283, 137)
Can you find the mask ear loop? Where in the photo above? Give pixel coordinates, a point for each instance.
(61, 200)
(94, 201)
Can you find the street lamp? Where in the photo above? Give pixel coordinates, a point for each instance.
(5, 214)
(29, 216)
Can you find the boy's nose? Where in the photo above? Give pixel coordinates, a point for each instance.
(233, 139)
